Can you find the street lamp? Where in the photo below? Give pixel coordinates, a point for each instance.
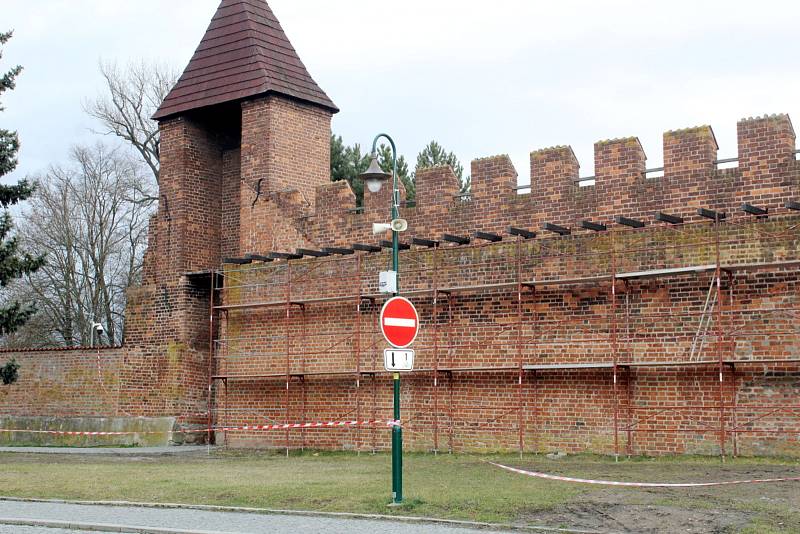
(374, 177)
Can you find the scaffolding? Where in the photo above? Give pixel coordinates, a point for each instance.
(615, 340)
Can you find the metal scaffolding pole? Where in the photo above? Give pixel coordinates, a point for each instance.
(628, 373)
(303, 376)
(521, 371)
(450, 373)
(209, 403)
(288, 346)
(357, 349)
(734, 435)
(718, 314)
(613, 335)
(435, 322)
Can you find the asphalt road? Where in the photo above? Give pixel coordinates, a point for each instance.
(16, 529)
(207, 521)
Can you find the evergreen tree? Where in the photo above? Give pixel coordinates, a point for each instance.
(385, 161)
(434, 154)
(13, 262)
(347, 162)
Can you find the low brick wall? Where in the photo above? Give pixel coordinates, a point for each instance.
(116, 389)
(65, 383)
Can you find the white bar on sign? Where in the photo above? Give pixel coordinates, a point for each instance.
(396, 321)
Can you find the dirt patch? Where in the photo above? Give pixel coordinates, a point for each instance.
(641, 518)
(728, 509)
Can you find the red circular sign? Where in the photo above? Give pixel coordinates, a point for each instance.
(399, 322)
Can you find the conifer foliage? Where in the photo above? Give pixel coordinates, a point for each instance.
(14, 263)
(434, 154)
(348, 162)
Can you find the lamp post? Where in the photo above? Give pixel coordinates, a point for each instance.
(374, 177)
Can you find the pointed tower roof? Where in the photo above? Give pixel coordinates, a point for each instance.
(244, 53)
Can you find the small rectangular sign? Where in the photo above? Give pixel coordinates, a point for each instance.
(387, 282)
(398, 359)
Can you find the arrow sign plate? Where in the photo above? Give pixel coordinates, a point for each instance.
(398, 359)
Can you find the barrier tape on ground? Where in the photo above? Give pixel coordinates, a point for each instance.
(287, 426)
(643, 484)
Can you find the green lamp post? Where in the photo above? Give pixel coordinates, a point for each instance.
(374, 177)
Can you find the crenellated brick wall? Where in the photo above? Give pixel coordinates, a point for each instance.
(767, 176)
(253, 179)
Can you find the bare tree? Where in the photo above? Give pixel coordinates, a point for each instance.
(132, 95)
(90, 222)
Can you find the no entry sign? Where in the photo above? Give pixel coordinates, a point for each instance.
(399, 322)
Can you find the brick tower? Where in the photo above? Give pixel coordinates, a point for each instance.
(245, 141)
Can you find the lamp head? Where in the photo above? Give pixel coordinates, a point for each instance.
(374, 176)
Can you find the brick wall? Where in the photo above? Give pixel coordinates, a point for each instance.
(673, 410)
(332, 345)
(65, 382)
(264, 187)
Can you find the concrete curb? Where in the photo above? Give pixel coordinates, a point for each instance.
(100, 527)
(308, 513)
(112, 451)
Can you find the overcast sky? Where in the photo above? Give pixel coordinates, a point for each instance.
(482, 78)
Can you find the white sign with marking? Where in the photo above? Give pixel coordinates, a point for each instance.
(398, 359)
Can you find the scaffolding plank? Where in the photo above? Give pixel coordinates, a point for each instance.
(569, 281)
(685, 363)
(504, 368)
(498, 285)
(667, 272)
(249, 377)
(567, 366)
(252, 305)
(759, 266)
(765, 361)
(479, 369)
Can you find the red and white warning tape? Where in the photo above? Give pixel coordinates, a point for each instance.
(643, 484)
(329, 424)
(288, 426)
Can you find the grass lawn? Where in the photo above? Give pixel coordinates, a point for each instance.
(445, 486)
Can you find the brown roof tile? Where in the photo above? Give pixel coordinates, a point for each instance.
(244, 53)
